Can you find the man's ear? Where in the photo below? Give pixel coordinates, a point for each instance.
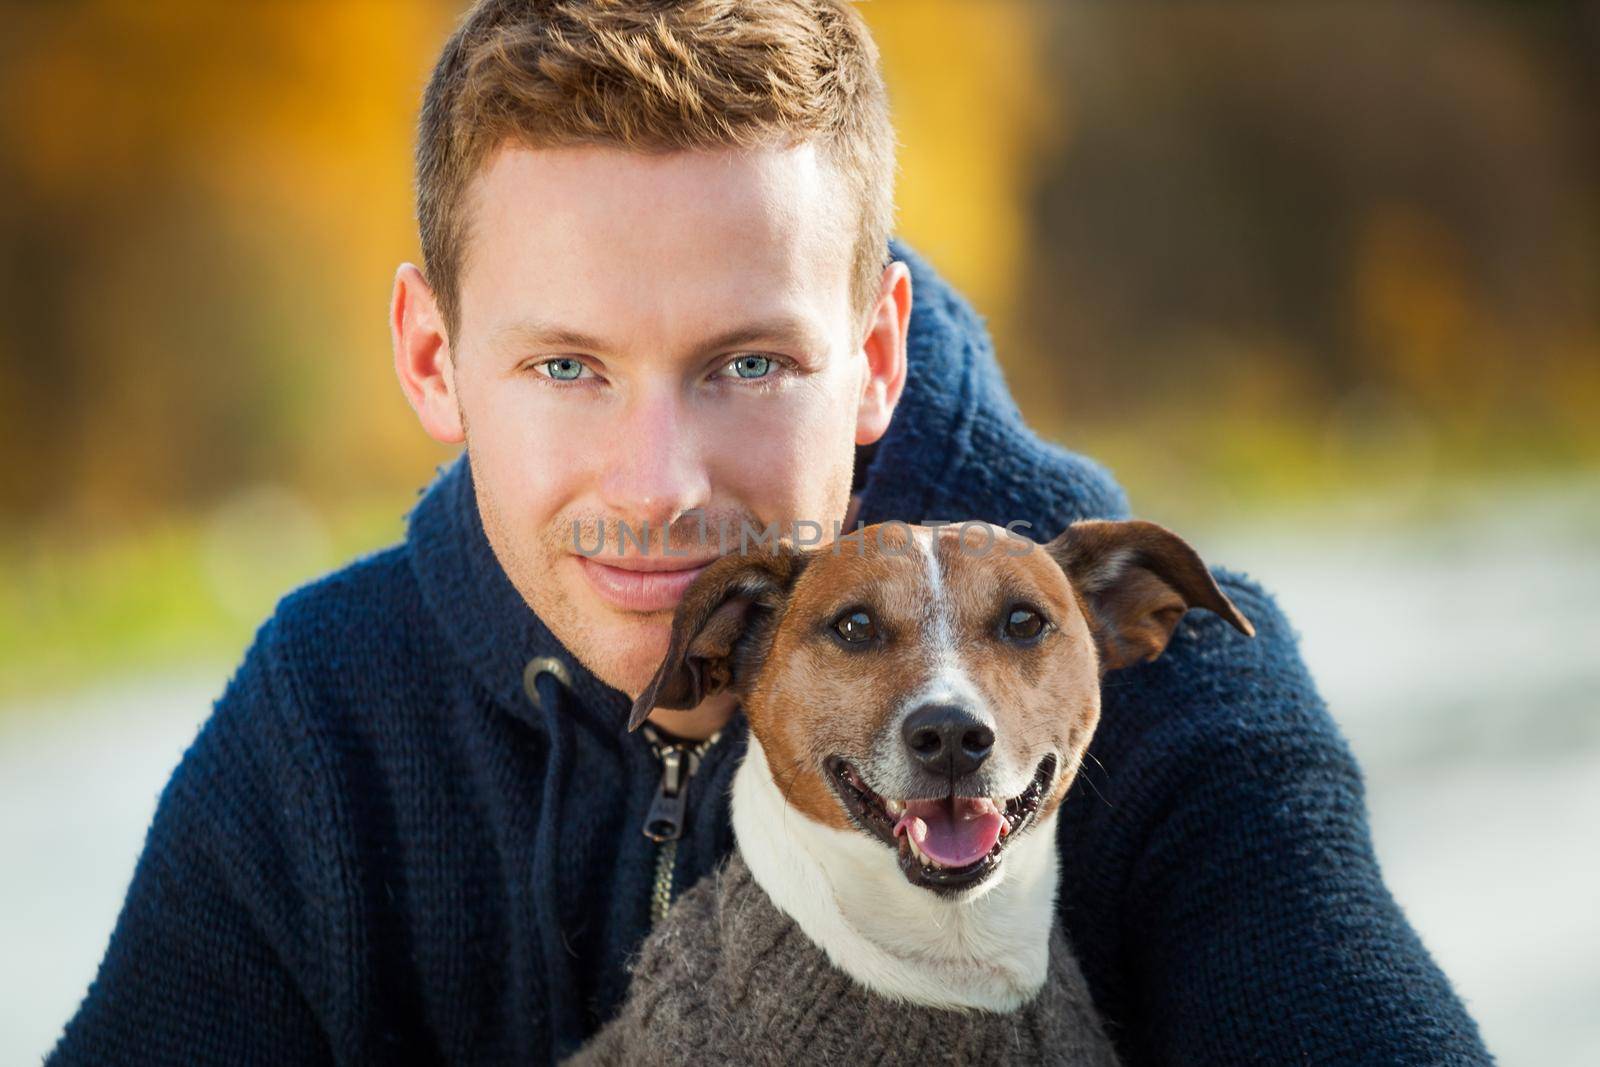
(721, 629)
(1137, 580)
(884, 348)
(422, 356)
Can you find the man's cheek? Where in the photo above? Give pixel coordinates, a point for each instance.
(786, 431)
(794, 455)
(765, 472)
(551, 451)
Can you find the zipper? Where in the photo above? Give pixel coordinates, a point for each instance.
(668, 814)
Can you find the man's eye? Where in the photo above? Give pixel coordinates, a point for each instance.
(562, 369)
(751, 366)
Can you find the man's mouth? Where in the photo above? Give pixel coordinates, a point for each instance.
(641, 584)
(948, 843)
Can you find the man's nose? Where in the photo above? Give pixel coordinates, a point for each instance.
(947, 740)
(653, 471)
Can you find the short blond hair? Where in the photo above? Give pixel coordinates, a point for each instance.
(655, 76)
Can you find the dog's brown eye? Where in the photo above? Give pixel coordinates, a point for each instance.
(856, 626)
(1024, 624)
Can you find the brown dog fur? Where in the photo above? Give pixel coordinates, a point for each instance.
(1111, 592)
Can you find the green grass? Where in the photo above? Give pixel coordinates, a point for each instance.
(165, 594)
(1197, 469)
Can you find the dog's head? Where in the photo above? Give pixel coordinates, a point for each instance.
(933, 688)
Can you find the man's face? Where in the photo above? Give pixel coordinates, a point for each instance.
(648, 408)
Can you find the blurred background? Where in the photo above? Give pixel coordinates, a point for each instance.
(1319, 282)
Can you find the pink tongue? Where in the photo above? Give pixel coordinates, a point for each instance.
(952, 832)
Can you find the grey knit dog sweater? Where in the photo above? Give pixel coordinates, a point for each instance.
(728, 978)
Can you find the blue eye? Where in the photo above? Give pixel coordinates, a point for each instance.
(751, 366)
(563, 370)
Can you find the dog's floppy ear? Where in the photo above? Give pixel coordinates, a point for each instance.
(719, 627)
(1137, 580)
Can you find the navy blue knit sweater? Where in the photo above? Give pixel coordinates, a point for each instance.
(392, 842)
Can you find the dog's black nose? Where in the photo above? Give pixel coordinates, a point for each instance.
(947, 740)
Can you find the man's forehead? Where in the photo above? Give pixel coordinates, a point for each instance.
(594, 228)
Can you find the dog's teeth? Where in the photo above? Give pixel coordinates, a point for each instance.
(895, 807)
(921, 857)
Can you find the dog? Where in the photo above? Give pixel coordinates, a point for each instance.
(919, 700)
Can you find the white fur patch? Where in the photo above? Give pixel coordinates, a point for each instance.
(948, 681)
(988, 949)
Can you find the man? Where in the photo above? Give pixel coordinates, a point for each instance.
(659, 291)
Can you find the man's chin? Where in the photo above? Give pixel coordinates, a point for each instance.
(621, 648)
(626, 661)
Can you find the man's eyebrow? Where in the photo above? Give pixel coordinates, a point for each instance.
(787, 329)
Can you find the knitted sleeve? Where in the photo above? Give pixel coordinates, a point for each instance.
(205, 959)
(1260, 929)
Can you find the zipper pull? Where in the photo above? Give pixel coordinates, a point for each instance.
(665, 819)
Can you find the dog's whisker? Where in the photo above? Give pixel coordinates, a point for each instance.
(1088, 780)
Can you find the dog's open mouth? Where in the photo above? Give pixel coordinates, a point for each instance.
(949, 843)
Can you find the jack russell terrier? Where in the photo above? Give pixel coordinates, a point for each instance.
(919, 700)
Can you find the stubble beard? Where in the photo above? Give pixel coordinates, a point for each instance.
(530, 573)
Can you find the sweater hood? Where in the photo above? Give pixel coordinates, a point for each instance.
(956, 448)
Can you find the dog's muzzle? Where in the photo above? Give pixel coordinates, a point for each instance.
(947, 844)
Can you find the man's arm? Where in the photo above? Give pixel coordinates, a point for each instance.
(1255, 922)
(202, 964)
